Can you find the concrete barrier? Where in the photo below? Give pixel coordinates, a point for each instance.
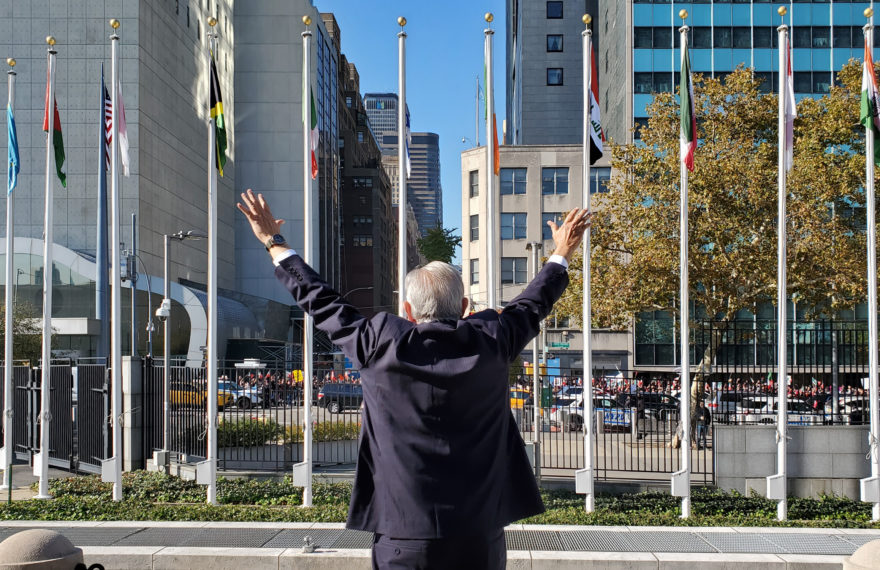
(867, 557)
(38, 549)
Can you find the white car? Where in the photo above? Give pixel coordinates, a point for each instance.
(764, 411)
(569, 412)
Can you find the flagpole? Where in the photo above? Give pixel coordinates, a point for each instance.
(213, 355)
(303, 470)
(777, 484)
(7, 456)
(584, 477)
(681, 480)
(41, 460)
(871, 484)
(491, 283)
(402, 266)
(116, 413)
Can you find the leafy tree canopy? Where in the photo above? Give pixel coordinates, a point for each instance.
(439, 244)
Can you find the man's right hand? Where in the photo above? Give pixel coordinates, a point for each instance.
(568, 236)
(263, 223)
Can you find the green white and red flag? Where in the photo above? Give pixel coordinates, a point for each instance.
(688, 135)
(57, 139)
(313, 135)
(870, 100)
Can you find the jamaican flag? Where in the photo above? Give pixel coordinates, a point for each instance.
(217, 115)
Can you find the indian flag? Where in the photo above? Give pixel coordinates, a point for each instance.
(870, 100)
(688, 136)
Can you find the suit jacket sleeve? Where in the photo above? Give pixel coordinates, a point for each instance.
(521, 318)
(353, 332)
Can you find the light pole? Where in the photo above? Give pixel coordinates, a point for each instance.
(164, 314)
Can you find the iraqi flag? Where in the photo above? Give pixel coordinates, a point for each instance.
(688, 135)
(870, 100)
(597, 136)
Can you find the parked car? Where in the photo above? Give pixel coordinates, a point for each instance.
(660, 406)
(189, 395)
(569, 412)
(519, 398)
(340, 396)
(764, 411)
(722, 405)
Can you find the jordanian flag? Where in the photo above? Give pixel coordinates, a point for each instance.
(870, 100)
(57, 140)
(313, 135)
(688, 136)
(217, 116)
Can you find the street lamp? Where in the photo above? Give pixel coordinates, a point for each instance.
(164, 315)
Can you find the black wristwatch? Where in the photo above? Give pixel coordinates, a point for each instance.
(277, 239)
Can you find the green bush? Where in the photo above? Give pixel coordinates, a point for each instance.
(248, 432)
(325, 431)
(156, 496)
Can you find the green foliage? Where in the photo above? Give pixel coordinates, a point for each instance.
(27, 332)
(155, 496)
(439, 244)
(247, 432)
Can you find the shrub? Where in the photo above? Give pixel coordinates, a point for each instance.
(247, 432)
(324, 431)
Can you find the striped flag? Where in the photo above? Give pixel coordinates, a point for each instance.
(108, 124)
(12, 145)
(790, 107)
(597, 136)
(57, 139)
(216, 111)
(313, 134)
(870, 100)
(688, 136)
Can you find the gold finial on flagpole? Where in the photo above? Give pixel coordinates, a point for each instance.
(587, 19)
(10, 61)
(401, 21)
(782, 11)
(307, 20)
(489, 17)
(683, 14)
(114, 23)
(869, 12)
(212, 21)
(50, 40)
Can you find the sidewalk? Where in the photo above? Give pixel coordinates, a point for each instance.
(161, 545)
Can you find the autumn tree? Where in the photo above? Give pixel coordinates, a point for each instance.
(439, 244)
(732, 211)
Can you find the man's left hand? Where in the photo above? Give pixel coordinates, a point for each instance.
(263, 223)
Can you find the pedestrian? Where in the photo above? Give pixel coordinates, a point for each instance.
(704, 420)
(441, 466)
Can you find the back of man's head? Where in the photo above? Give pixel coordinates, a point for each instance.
(434, 292)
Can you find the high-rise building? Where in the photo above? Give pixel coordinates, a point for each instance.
(544, 70)
(644, 58)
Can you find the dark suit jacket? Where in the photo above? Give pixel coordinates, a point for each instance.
(440, 454)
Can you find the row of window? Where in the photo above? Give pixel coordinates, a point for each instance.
(554, 180)
(745, 37)
(665, 82)
(513, 270)
(745, 1)
(356, 220)
(513, 225)
(362, 241)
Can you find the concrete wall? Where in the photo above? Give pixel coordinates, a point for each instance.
(821, 459)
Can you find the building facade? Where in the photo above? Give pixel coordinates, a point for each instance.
(536, 184)
(423, 186)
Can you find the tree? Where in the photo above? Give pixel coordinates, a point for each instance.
(439, 244)
(27, 333)
(732, 211)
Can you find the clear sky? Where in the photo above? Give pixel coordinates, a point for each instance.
(444, 58)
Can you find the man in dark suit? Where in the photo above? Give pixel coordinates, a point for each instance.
(441, 465)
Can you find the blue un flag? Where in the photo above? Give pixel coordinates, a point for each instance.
(13, 151)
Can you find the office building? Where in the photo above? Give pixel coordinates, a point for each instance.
(537, 184)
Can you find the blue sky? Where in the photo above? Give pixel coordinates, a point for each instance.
(444, 57)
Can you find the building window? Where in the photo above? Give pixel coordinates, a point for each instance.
(599, 178)
(554, 76)
(475, 227)
(513, 270)
(643, 82)
(554, 10)
(360, 136)
(555, 217)
(554, 180)
(348, 102)
(513, 226)
(554, 42)
(362, 241)
(513, 181)
(474, 176)
(643, 37)
(475, 271)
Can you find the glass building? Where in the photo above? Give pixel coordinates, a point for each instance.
(825, 34)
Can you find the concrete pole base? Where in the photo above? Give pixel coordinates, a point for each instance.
(38, 549)
(865, 558)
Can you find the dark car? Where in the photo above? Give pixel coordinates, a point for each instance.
(660, 406)
(340, 396)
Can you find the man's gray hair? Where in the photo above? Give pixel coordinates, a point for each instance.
(435, 292)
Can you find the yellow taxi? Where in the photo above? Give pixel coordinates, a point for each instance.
(518, 398)
(189, 396)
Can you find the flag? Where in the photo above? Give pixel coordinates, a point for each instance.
(870, 100)
(597, 136)
(496, 153)
(108, 129)
(790, 107)
(57, 139)
(313, 134)
(217, 116)
(123, 134)
(108, 123)
(407, 143)
(12, 144)
(688, 136)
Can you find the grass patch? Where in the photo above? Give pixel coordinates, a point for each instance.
(157, 497)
